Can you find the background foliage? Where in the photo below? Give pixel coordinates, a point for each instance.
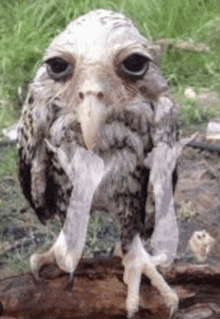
(27, 26)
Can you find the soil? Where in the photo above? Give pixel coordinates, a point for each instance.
(197, 198)
(197, 203)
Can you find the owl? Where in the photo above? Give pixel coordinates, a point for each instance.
(98, 131)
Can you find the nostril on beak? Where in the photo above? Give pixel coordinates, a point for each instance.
(81, 95)
(100, 95)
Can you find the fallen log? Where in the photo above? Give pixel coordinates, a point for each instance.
(98, 291)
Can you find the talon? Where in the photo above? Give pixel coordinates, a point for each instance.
(70, 283)
(173, 302)
(37, 261)
(35, 266)
(71, 277)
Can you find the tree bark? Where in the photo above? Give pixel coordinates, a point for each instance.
(98, 291)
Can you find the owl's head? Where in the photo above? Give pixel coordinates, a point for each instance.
(98, 65)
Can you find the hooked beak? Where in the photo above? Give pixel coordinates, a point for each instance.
(92, 114)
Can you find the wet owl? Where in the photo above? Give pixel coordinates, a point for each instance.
(95, 133)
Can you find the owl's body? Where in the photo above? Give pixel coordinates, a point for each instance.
(98, 89)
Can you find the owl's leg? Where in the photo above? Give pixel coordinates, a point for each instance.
(137, 262)
(165, 236)
(85, 172)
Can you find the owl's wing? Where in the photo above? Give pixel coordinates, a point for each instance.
(163, 162)
(44, 183)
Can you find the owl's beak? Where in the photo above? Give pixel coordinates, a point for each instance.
(92, 114)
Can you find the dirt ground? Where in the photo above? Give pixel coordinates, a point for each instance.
(197, 198)
(197, 202)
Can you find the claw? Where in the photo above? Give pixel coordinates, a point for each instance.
(35, 266)
(71, 277)
(172, 302)
(37, 261)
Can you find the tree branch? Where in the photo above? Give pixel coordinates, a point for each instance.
(98, 291)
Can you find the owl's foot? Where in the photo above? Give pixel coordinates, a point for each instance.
(62, 252)
(138, 262)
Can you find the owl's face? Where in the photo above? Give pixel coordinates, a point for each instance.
(99, 64)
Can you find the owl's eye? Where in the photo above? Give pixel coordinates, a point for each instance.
(58, 69)
(135, 66)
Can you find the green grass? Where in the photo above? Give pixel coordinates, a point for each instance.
(27, 26)
(191, 112)
(8, 162)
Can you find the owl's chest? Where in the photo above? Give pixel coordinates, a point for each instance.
(124, 142)
(124, 161)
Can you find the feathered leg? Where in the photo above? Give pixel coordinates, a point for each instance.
(165, 237)
(85, 172)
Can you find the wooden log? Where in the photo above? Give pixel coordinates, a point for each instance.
(98, 291)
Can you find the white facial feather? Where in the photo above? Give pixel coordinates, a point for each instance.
(97, 35)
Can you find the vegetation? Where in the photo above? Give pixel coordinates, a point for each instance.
(8, 161)
(27, 26)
